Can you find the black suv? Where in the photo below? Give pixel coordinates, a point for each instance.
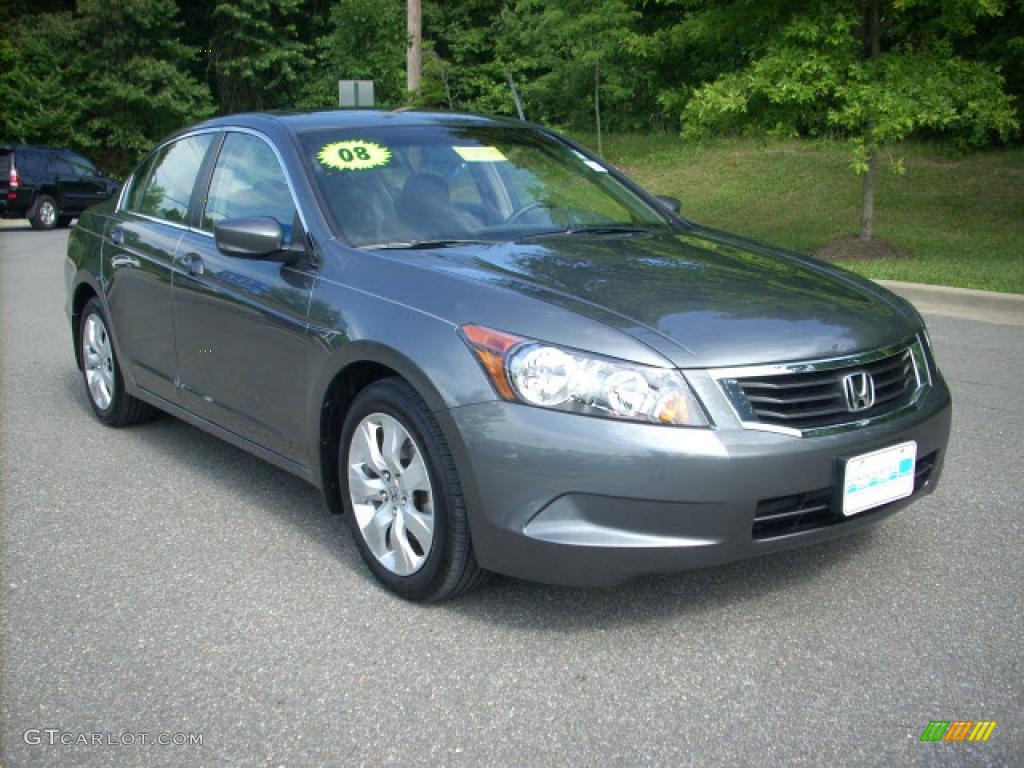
(48, 186)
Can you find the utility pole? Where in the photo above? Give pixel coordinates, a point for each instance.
(414, 53)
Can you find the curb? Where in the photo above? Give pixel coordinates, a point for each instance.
(985, 306)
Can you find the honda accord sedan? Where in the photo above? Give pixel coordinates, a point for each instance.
(491, 351)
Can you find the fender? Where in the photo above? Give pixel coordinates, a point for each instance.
(355, 352)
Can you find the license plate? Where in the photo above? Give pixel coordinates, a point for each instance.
(876, 478)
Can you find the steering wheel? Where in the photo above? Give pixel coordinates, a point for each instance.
(525, 210)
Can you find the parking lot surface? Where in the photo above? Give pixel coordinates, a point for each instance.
(158, 581)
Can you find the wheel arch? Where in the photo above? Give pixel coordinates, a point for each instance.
(352, 369)
(83, 291)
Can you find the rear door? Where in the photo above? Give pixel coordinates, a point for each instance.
(240, 324)
(138, 257)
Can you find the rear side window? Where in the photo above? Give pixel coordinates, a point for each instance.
(60, 168)
(248, 181)
(166, 188)
(29, 164)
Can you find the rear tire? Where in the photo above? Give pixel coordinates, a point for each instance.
(104, 384)
(404, 494)
(45, 215)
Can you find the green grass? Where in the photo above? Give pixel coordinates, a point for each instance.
(960, 219)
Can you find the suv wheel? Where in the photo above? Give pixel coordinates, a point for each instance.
(45, 216)
(104, 383)
(402, 495)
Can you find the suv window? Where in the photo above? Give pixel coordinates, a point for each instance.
(168, 184)
(81, 167)
(30, 164)
(60, 168)
(248, 181)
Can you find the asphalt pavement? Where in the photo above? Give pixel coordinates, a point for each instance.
(156, 580)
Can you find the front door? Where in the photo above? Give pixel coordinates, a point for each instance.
(240, 324)
(138, 254)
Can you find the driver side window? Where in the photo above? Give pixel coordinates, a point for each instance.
(248, 181)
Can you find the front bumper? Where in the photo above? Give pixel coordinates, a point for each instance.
(567, 499)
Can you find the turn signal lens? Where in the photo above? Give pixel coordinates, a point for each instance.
(490, 348)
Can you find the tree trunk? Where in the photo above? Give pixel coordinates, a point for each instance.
(872, 50)
(597, 105)
(414, 54)
(867, 208)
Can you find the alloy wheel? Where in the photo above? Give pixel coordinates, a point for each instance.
(98, 359)
(47, 213)
(391, 493)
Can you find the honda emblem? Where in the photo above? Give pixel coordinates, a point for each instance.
(859, 391)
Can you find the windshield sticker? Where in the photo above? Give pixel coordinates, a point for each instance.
(355, 155)
(480, 154)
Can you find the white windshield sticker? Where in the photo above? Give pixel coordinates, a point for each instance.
(480, 154)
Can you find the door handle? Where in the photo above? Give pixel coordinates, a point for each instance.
(193, 262)
(117, 236)
(123, 261)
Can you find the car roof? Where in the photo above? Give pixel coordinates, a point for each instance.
(300, 122)
(45, 147)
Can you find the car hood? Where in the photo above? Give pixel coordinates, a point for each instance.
(701, 298)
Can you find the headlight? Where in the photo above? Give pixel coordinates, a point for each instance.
(547, 376)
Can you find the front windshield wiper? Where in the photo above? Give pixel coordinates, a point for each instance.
(421, 244)
(603, 229)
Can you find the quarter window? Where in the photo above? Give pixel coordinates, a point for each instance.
(248, 181)
(166, 192)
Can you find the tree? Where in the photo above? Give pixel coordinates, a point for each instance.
(460, 66)
(877, 72)
(255, 54)
(553, 48)
(54, 94)
(148, 93)
(35, 58)
(364, 39)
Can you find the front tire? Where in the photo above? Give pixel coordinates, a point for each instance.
(402, 495)
(104, 384)
(45, 215)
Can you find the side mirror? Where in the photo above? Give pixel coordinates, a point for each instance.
(672, 203)
(256, 237)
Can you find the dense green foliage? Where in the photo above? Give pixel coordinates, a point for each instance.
(106, 80)
(816, 74)
(109, 77)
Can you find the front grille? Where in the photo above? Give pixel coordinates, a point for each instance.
(814, 398)
(817, 509)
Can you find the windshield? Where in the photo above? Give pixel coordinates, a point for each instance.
(399, 186)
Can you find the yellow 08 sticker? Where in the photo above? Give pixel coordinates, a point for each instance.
(353, 155)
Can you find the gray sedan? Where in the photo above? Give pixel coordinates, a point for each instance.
(492, 351)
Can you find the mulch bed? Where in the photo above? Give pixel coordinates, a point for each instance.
(852, 248)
